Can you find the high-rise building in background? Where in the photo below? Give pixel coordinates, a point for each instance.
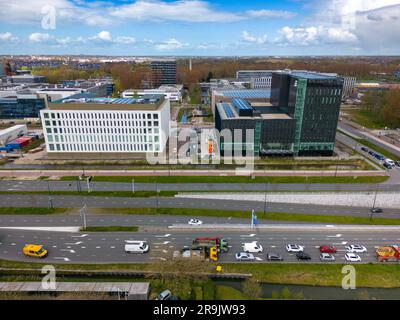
(300, 120)
(163, 72)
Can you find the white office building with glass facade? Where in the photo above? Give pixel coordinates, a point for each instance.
(104, 125)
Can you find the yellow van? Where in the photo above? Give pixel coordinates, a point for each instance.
(34, 250)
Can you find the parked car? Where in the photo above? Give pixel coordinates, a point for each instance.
(252, 247)
(397, 163)
(352, 257)
(380, 157)
(165, 295)
(274, 257)
(356, 248)
(303, 256)
(195, 222)
(365, 149)
(377, 210)
(327, 257)
(390, 162)
(294, 248)
(387, 166)
(327, 249)
(244, 256)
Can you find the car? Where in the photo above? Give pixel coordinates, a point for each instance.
(294, 248)
(352, 257)
(252, 247)
(133, 246)
(195, 222)
(397, 163)
(303, 256)
(390, 162)
(377, 210)
(35, 251)
(371, 153)
(356, 248)
(165, 295)
(244, 256)
(274, 257)
(365, 149)
(326, 257)
(387, 166)
(327, 249)
(380, 157)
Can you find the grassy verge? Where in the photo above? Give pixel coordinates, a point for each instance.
(31, 211)
(110, 229)
(228, 293)
(127, 194)
(232, 179)
(368, 275)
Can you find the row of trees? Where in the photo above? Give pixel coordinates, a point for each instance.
(383, 107)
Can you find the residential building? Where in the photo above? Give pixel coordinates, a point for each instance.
(163, 72)
(107, 125)
(301, 118)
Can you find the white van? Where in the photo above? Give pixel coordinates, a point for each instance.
(136, 247)
(252, 247)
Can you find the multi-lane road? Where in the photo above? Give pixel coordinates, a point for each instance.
(109, 247)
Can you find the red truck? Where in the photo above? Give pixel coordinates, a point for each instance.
(389, 253)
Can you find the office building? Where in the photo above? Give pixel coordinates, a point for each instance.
(301, 118)
(21, 106)
(163, 72)
(258, 79)
(107, 125)
(171, 92)
(26, 78)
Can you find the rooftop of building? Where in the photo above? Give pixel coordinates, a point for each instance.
(245, 93)
(312, 75)
(147, 102)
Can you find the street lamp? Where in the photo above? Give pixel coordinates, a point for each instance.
(82, 212)
(50, 198)
(373, 206)
(133, 186)
(265, 198)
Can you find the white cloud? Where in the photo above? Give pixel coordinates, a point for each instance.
(282, 14)
(247, 37)
(125, 40)
(7, 36)
(182, 10)
(39, 37)
(102, 36)
(169, 45)
(315, 35)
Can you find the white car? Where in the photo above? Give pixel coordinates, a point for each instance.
(195, 222)
(294, 248)
(356, 248)
(252, 247)
(352, 257)
(244, 256)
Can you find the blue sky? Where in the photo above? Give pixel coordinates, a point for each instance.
(200, 27)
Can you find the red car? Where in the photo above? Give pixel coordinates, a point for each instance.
(327, 249)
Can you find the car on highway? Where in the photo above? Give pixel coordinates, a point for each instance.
(352, 257)
(244, 256)
(327, 249)
(35, 251)
(294, 248)
(133, 246)
(252, 247)
(377, 210)
(327, 257)
(302, 256)
(356, 248)
(195, 222)
(274, 257)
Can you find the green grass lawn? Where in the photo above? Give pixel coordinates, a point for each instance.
(365, 119)
(31, 211)
(127, 194)
(232, 179)
(110, 229)
(228, 293)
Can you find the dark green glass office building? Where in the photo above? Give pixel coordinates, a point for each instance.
(301, 119)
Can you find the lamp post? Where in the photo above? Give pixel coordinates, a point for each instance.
(265, 198)
(82, 212)
(50, 198)
(133, 186)
(373, 206)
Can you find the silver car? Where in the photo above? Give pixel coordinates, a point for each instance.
(327, 257)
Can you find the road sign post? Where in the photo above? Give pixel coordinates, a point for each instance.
(82, 212)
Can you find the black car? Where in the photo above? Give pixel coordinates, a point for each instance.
(274, 257)
(365, 149)
(387, 165)
(397, 163)
(376, 210)
(303, 256)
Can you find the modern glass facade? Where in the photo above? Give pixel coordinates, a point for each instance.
(163, 72)
(13, 108)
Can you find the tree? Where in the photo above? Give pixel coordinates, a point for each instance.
(252, 288)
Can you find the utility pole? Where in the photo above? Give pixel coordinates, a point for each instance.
(88, 179)
(50, 198)
(82, 212)
(78, 184)
(373, 206)
(133, 186)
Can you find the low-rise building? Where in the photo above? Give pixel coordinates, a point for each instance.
(171, 92)
(12, 133)
(107, 125)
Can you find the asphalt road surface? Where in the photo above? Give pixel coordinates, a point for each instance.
(40, 185)
(109, 247)
(15, 200)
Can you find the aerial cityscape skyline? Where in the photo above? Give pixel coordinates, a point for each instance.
(201, 28)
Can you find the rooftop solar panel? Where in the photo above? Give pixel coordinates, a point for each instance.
(228, 111)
